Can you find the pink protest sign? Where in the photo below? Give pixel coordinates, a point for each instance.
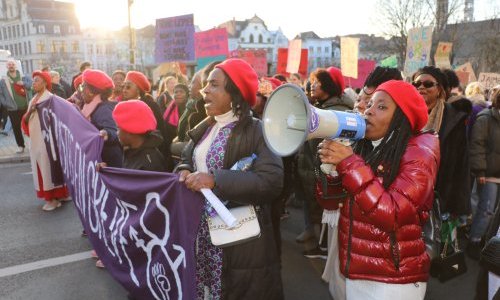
(211, 43)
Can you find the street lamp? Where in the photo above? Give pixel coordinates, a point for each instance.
(131, 38)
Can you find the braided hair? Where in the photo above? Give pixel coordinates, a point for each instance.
(382, 74)
(392, 147)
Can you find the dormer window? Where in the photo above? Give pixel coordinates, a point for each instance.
(57, 29)
(41, 28)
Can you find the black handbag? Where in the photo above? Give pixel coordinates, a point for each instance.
(490, 255)
(451, 261)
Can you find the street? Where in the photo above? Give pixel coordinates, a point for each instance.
(64, 269)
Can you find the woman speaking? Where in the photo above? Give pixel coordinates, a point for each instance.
(389, 177)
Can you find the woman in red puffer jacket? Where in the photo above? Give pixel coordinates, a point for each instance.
(390, 177)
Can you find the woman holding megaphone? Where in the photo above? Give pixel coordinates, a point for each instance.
(389, 177)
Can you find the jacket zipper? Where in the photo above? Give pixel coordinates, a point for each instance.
(349, 240)
(394, 250)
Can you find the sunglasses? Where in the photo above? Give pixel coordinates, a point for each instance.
(427, 84)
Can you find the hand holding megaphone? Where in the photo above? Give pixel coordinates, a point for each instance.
(289, 120)
(332, 152)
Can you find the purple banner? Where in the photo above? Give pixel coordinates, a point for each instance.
(141, 224)
(175, 39)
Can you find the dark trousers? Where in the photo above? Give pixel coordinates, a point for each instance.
(15, 118)
(4, 114)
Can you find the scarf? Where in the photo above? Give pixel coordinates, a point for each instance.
(171, 115)
(435, 117)
(88, 108)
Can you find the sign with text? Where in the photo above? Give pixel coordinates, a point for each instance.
(142, 224)
(418, 49)
(442, 56)
(489, 80)
(467, 67)
(174, 39)
(283, 60)
(463, 77)
(294, 56)
(256, 58)
(349, 56)
(211, 43)
(365, 67)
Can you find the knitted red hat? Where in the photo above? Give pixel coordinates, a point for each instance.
(244, 76)
(409, 100)
(97, 79)
(46, 77)
(337, 77)
(139, 79)
(134, 116)
(78, 80)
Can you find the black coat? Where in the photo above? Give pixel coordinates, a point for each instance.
(485, 144)
(102, 119)
(147, 157)
(453, 180)
(250, 270)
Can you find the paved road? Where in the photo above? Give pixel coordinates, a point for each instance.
(30, 235)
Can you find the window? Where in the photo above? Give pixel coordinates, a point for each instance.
(40, 47)
(18, 30)
(242, 39)
(311, 50)
(327, 49)
(75, 47)
(15, 50)
(41, 28)
(255, 27)
(27, 29)
(25, 48)
(24, 32)
(29, 50)
(57, 29)
(14, 31)
(90, 49)
(318, 49)
(62, 47)
(53, 47)
(10, 32)
(261, 40)
(4, 33)
(20, 47)
(251, 38)
(268, 40)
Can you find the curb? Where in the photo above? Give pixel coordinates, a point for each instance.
(14, 159)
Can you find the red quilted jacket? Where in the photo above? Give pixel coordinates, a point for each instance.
(380, 230)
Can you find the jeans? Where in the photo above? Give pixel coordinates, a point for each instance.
(488, 196)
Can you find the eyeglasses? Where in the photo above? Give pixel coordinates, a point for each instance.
(427, 84)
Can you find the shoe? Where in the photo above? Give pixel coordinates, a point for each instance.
(99, 264)
(315, 253)
(93, 254)
(285, 215)
(306, 235)
(20, 150)
(84, 234)
(51, 205)
(67, 199)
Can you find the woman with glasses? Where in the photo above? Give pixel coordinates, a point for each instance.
(449, 120)
(374, 79)
(137, 86)
(389, 178)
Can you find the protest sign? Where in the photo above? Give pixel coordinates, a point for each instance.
(467, 67)
(174, 39)
(349, 56)
(418, 49)
(256, 58)
(365, 66)
(294, 56)
(142, 224)
(391, 62)
(463, 77)
(442, 55)
(489, 80)
(283, 60)
(211, 43)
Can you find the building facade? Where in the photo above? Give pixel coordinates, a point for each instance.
(319, 50)
(42, 33)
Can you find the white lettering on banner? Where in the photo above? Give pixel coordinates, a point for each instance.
(91, 197)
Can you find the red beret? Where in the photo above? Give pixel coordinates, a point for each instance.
(46, 77)
(243, 76)
(409, 100)
(274, 82)
(139, 79)
(78, 80)
(337, 77)
(97, 79)
(134, 116)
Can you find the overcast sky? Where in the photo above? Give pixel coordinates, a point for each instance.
(325, 17)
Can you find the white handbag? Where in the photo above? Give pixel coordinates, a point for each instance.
(246, 229)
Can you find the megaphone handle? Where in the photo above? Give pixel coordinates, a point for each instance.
(329, 169)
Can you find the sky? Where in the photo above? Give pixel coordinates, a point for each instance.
(326, 18)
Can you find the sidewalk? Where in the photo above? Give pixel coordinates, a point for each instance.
(8, 148)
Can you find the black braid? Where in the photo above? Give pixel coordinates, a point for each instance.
(391, 148)
(382, 74)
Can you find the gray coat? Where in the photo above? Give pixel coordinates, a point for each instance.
(485, 144)
(6, 99)
(250, 270)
